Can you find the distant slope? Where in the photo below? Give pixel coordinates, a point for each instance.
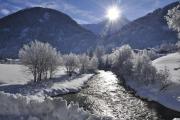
(148, 31)
(105, 27)
(45, 25)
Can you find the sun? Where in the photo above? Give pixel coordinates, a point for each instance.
(113, 13)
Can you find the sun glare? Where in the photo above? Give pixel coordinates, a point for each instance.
(113, 13)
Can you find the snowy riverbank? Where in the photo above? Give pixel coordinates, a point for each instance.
(24, 100)
(169, 97)
(14, 80)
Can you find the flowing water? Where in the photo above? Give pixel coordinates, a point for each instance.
(103, 96)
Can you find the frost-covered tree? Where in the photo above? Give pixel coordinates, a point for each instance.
(173, 19)
(167, 47)
(178, 45)
(122, 63)
(84, 63)
(40, 58)
(54, 62)
(99, 53)
(107, 62)
(151, 53)
(136, 66)
(143, 70)
(71, 63)
(145, 73)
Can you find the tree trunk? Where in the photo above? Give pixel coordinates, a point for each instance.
(35, 76)
(51, 74)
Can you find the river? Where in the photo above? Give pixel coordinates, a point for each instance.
(104, 96)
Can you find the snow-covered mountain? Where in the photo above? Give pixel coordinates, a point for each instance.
(148, 31)
(45, 25)
(105, 27)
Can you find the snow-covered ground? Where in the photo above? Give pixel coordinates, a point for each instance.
(21, 99)
(169, 97)
(13, 74)
(18, 107)
(172, 63)
(14, 79)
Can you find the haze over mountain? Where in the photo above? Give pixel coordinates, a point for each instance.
(45, 25)
(107, 27)
(148, 31)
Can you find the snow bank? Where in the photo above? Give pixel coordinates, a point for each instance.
(54, 87)
(13, 79)
(24, 100)
(35, 108)
(68, 85)
(170, 96)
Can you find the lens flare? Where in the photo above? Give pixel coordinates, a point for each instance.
(113, 13)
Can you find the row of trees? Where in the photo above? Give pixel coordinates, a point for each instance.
(42, 61)
(80, 63)
(135, 66)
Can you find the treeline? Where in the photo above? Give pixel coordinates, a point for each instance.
(131, 66)
(42, 61)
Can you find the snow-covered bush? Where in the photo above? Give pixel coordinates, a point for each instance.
(163, 77)
(145, 73)
(71, 63)
(18, 107)
(143, 70)
(151, 53)
(40, 58)
(121, 61)
(167, 48)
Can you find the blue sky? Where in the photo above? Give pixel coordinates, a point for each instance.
(87, 11)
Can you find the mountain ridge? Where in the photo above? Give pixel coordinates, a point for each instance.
(106, 27)
(147, 31)
(46, 25)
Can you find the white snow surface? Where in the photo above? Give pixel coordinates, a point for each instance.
(18, 107)
(13, 74)
(13, 79)
(171, 62)
(170, 96)
(176, 119)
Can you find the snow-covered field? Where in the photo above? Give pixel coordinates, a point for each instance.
(13, 74)
(170, 96)
(14, 79)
